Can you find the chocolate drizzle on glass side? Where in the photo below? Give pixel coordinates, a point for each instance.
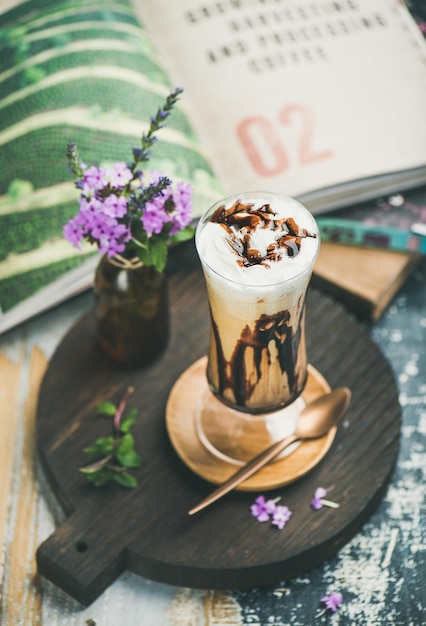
(241, 220)
(273, 328)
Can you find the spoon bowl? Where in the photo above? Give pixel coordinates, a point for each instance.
(314, 421)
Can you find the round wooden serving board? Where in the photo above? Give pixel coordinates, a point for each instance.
(148, 530)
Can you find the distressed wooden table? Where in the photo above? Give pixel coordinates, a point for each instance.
(381, 572)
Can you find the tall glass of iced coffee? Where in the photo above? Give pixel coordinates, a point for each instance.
(257, 252)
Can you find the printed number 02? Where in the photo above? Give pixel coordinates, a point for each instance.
(258, 136)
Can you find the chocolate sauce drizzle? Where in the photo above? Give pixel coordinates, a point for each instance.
(247, 219)
(274, 328)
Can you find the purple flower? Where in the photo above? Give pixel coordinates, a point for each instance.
(101, 226)
(119, 175)
(181, 215)
(332, 601)
(74, 230)
(280, 516)
(98, 221)
(154, 217)
(262, 509)
(91, 207)
(112, 237)
(115, 206)
(177, 199)
(93, 179)
(318, 500)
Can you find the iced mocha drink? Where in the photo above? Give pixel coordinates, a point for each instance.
(257, 252)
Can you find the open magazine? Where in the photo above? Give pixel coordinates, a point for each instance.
(319, 100)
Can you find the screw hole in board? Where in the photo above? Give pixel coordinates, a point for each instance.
(81, 546)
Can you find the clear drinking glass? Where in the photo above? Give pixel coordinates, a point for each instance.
(257, 359)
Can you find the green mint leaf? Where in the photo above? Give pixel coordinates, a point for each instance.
(159, 251)
(182, 235)
(101, 447)
(92, 450)
(106, 408)
(125, 445)
(130, 459)
(128, 421)
(91, 477)
(139, 234)
(125, 480)
(101, 479)
(143, 252)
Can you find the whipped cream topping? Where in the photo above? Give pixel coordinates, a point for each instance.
(259, 240)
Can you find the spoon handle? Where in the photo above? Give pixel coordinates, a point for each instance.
(245, 472)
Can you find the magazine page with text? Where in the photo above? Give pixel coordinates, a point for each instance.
(323, 100)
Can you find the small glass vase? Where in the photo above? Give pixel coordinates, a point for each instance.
(132, 312)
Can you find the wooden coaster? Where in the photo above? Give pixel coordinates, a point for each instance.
(181, 426)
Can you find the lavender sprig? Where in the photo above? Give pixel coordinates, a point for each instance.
(74, 161)
(152, 191)
(149, 139)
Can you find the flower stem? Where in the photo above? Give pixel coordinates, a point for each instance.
(98, 464)
(121, 407)
(329, 503)
(139, 243)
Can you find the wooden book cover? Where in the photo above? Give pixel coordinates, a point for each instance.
(364, 279)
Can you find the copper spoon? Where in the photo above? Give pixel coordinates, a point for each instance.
(314, 421)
